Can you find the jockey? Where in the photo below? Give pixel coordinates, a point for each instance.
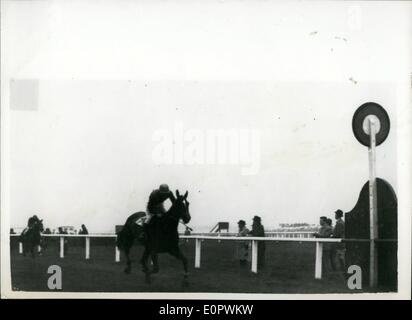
(30, 223)
(155, 207)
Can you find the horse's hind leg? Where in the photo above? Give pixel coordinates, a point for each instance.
(128, 268)
(24, 249)
(179, 255)
(143, 260)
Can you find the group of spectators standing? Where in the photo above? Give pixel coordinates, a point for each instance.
(242, 249)
(334, 257)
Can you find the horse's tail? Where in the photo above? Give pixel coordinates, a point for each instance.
(23, 234)
(126, 236)
(120, 239)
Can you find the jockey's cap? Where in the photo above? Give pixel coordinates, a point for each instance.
(164, 188)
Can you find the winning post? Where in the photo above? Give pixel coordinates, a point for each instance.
(371, 126)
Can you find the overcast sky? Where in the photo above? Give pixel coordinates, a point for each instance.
(90, 84)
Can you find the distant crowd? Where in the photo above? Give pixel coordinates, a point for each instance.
(59, 230)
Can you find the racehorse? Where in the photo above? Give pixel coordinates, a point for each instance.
(161, 236)
(31, 238)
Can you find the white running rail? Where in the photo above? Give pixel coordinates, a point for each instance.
(198, 246)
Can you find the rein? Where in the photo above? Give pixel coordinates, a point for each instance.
(186, 225)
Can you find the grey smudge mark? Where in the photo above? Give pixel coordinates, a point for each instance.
(353, 80)
(341, 38)
(297, 128)
(313, 33)
(24, 94)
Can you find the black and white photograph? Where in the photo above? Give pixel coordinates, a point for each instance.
(218, 149)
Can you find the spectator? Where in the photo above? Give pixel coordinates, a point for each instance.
(327, 258)
(187, 231)
(242, 251)
(329, 222)
(45, 240)
(325, 230)
(12, 231)
(83, 230)
(338, 249)
(259, 231)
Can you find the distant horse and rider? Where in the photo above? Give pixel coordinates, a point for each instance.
(156, 230)
(31, 236)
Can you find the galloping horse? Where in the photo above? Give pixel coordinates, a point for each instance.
(31, 239)
(161, 236)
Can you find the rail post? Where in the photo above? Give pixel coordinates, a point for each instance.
(117, 254)
(61, 247)
(254, 256)
(318, 262)
(20, 247)
(198, 250)
(87, 247)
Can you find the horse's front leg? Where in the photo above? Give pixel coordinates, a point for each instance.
(155, 261)
(179, 255)
(143, 261)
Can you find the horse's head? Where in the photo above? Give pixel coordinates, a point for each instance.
(181, 207)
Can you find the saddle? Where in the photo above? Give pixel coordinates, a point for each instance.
(141, 221)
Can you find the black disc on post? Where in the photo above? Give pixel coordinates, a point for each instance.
(367, 109)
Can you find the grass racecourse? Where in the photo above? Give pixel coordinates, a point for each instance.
(289, 268)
